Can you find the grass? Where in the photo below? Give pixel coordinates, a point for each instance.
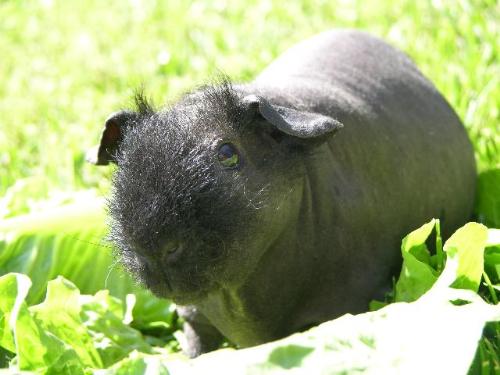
(67, 64)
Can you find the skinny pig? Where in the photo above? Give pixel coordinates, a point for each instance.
(272, 206)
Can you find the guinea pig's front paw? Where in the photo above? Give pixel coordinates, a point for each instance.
(200, 335)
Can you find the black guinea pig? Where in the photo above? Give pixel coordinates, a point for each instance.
(271, 206)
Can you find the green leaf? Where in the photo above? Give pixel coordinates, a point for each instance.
(492, 263)
(66, 333)
(289, 356)
(376, 305)
(60, 313)
(465, 248)
(138, 364)
(417, 276)
(151, 313)
(13, 291)
(103, 315)
(36, 349)
(488, 198)
(86, 210)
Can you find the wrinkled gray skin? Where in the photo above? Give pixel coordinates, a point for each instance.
(345, 147)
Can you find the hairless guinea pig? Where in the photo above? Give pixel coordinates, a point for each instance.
(268, 207)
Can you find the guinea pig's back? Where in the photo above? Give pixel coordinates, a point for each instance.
(351, 69)
(401, 139)
(340, 57)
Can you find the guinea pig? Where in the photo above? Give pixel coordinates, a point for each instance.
(268, 207)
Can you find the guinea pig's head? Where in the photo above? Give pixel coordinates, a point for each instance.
(205, 188)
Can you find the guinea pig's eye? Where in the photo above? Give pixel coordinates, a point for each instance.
(228, 156)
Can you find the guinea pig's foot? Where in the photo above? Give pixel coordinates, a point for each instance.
(200, 335)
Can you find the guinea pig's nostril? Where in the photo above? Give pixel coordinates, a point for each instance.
(172, 250)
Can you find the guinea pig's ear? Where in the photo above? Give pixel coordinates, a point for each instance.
(293, 122)
(111, 137)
